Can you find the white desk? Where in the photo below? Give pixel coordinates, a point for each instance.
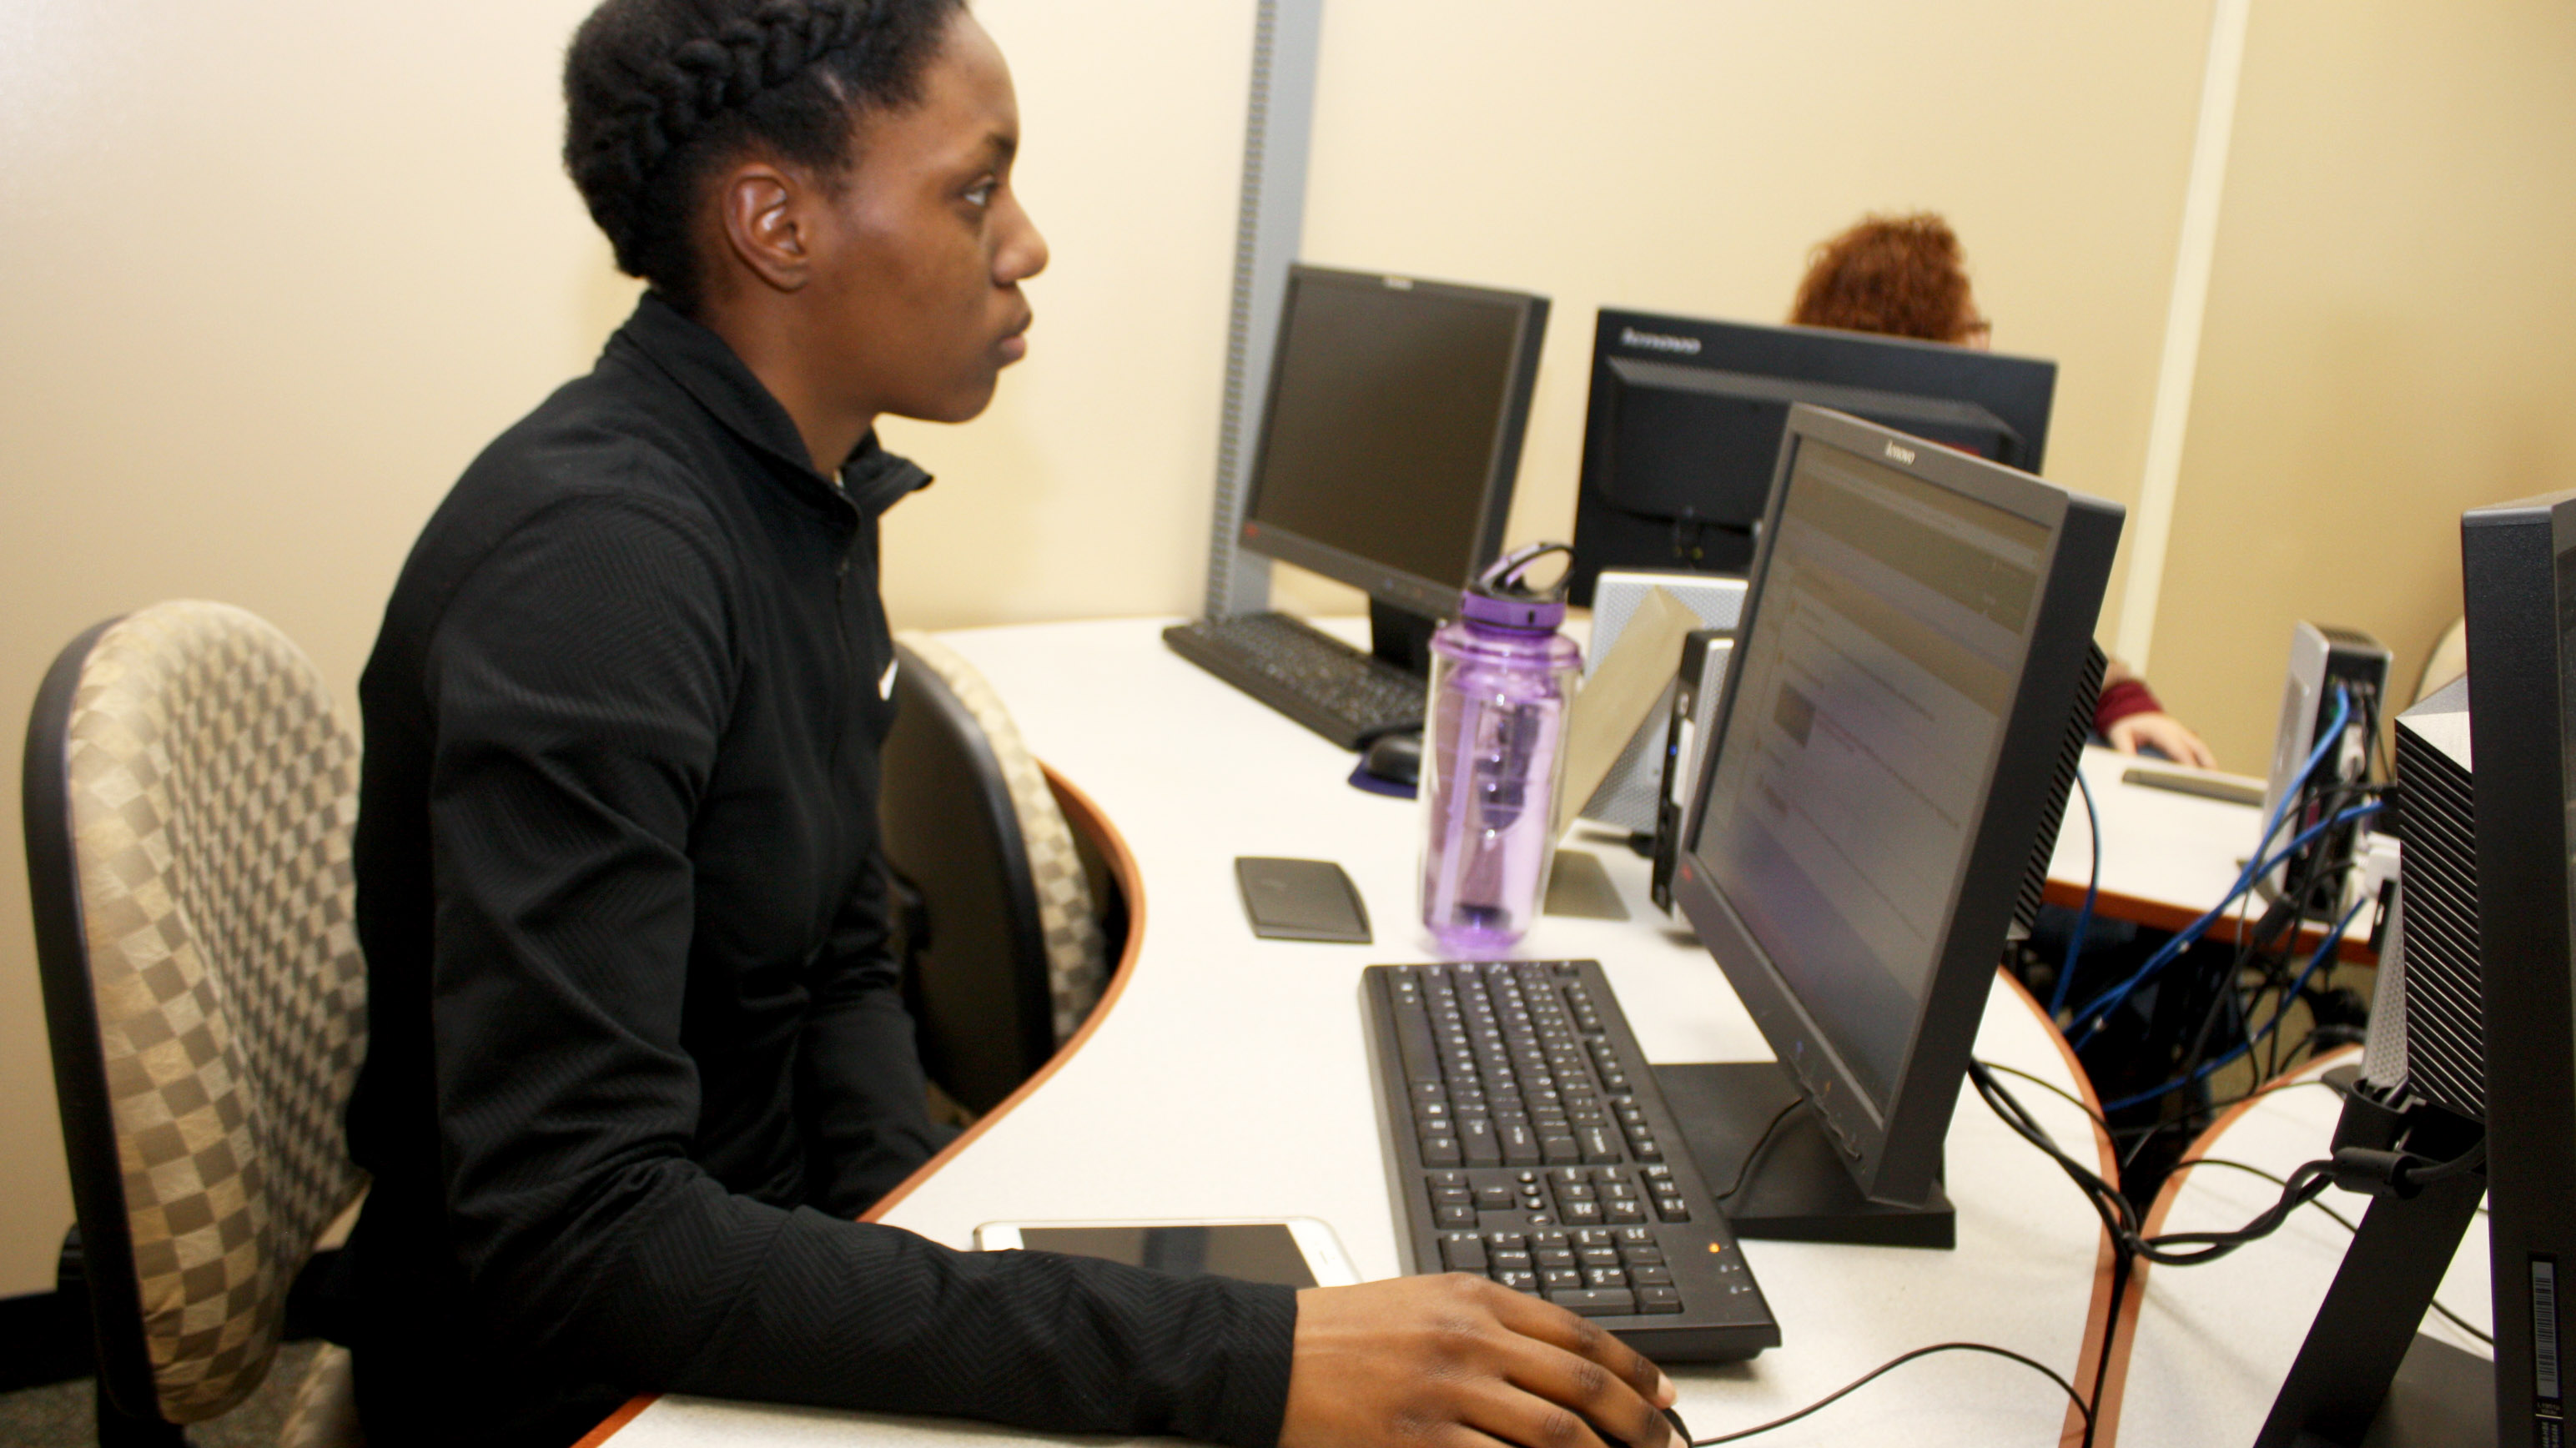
(1228, 1078)
(2167, 856)
(2211, 1344)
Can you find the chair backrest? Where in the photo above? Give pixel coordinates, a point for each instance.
(1006, 950)
(189, 799)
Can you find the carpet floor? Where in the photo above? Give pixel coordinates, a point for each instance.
(62, 1415)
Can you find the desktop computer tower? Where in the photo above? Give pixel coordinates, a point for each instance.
(2325, 664)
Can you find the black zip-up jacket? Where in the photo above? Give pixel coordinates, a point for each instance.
(636, 1050)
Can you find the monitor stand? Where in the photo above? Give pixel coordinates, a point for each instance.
(1401, 637)
(2365, 1378)
(1799, 1190)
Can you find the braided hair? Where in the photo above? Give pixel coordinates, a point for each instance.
(659, 93)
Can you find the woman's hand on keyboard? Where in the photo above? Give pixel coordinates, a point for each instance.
(1460, 1362)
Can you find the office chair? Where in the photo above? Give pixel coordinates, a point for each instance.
(2449, 660)
(189, 794)
(1004, 950)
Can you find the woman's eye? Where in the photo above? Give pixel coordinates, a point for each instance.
(980, 194)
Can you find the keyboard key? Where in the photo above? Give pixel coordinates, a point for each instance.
(1463, 1252)
(1440, 1151)
(1518, 1281)
(1458, 1218)
(1555, 1279)
(1596, 1301)
(1494, 1197)
(1659, 1299)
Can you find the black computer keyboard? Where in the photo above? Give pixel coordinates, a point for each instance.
(1339, 692)
(1529, 1143)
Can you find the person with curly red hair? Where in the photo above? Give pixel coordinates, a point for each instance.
(1906, 276)
(1903, 276)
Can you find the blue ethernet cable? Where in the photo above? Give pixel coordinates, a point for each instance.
(2325, 951)
(2255, 869)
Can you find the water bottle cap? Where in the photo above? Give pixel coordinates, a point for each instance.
(1503, 597)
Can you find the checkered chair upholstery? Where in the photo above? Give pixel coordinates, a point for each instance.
(190, 795)
(957, 771)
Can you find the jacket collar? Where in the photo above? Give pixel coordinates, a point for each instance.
(704, 366)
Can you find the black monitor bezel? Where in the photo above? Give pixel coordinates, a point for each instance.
(1895, 1155)
(1433, 598)
(2519, 676)
(1820, 366)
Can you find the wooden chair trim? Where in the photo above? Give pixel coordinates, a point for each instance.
(2105, 1256)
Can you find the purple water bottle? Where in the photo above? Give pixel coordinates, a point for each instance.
(1501, 680)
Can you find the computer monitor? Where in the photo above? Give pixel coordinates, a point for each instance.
(1391, 439)
(2473, 1027)
(1903, 714)
(2520, 565)
(1686, 419)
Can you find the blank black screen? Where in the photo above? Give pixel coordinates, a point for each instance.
(1385, 413)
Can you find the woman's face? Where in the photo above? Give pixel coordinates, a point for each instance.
(919, 288)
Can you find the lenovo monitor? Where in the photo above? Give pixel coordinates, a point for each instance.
(1686, 419)
(1903, 713)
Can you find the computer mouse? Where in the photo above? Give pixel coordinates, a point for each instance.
(1395, 757)
(1681, 1432)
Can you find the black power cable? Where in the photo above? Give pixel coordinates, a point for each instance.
(1761, 1144)
(2340, 1220)
(1865, 1379)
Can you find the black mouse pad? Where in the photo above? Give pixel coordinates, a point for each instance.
(1301, 900)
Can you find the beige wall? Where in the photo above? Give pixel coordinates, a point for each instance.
(276, 268)
(2391, 338)
(1682, 156)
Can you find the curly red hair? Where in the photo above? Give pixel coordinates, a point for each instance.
(1900, 275)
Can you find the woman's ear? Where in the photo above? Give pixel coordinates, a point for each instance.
(763, 210)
